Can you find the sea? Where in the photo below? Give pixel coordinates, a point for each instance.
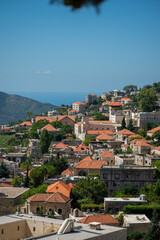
(56, 98)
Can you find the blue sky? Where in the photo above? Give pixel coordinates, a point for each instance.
(48, 48)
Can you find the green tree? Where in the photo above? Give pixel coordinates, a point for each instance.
(130, 88)
(88, 139)
(130, 125)
(142, 132)
(89, 188)
(56, 124)
(33, 191)
(4, 172)
(154, 228)
(148, 126)
(123, 124)
(44, 141)
(147, 100)
(156, 136)
(135, 236)
(37, 125)
(29, 115)
(66, 128)
(60, 165)
(17, 181)
(99, 116)
(37, 175)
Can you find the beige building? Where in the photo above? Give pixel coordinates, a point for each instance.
(136, 223)
(29, 226)
(45, 203)
(140, 119)
(78, 106)
(10, 197)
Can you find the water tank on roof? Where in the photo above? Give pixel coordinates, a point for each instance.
(142, 197)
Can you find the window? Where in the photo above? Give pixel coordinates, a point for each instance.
(34, 229)
(18, 228)
(128, 176)
(147, 176)
(117, 176)
(60, 211)
(2, 231)
(105, 175)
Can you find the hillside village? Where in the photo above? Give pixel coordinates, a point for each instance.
(93, 166)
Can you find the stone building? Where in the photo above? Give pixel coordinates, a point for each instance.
(45, 203)
(116, 204)
(116, 177)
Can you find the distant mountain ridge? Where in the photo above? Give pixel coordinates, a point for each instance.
(14, 107)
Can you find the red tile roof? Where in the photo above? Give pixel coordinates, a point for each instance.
(90, 163)
(107, 154)
(27, 123)
(79, 123)
(97, 132)
(104, 219)
(100, 121)
(5, 185)
(138, 140)
(158, 148)
(80, 148)
(78, 103)
(126, 99)
(115, 104)
(106, 103)
(135, 136)
(154, 130)
(60, 187)
(50, 198)
(73, 110)
(49, 128)
(104, 136)
(142, 144)
(61, 117)
(125, 132)
(50, 119)
(60, 146)
(68, 172)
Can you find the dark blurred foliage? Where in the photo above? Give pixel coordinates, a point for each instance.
(77, 4)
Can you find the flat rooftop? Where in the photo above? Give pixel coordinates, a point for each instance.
(7, 192)
(124, 200)
(81, 231)
(136, 218)
(85, 233)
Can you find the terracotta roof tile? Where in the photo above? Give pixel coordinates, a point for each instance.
(80, 148)
(125, 132)
(49, 128)
(61, 117)
(97, 132)
(104, 219)
(68, 172)
(55, 197)
(107, 154)
(60, 146)
(50, 119)
(104, 136)
(60, 187)
(90, 163)
(78, 103)
(154, 130)
(126, 99)
(27, 123)
(115, 104)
